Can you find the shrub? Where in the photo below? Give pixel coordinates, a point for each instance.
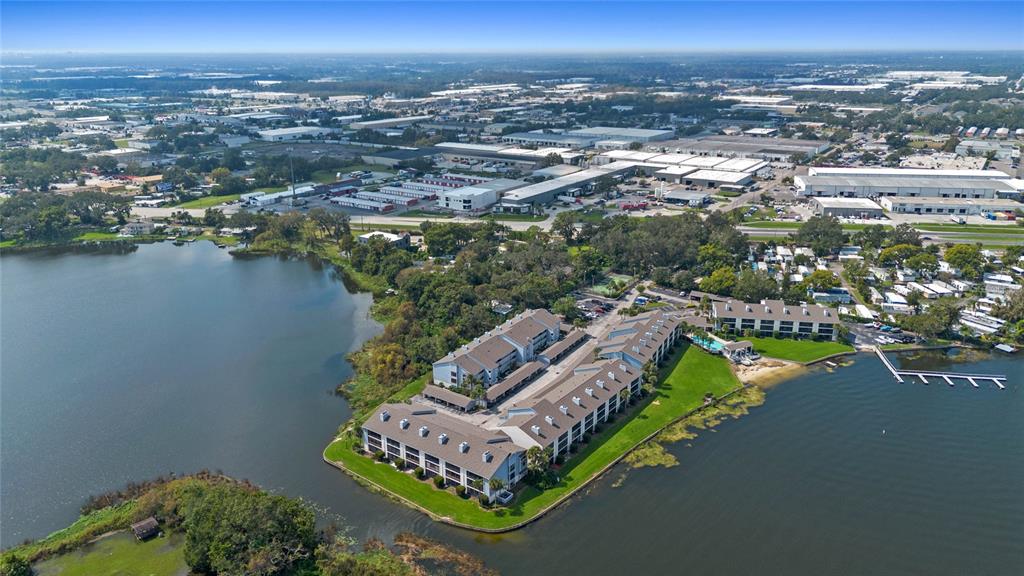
(484, 501)
(460, 490)
(420, 473)
(439, 481)
(560, 460)
(399, 463)
(379, 455)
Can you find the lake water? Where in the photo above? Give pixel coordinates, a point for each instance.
(120, 367)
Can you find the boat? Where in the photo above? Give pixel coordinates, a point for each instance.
(830, 364)
(1005, 348)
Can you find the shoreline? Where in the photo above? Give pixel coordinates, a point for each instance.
(603, 471)
(770, 375)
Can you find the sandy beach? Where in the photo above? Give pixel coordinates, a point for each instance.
(768, 372)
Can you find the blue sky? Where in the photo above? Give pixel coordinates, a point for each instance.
(497, 26)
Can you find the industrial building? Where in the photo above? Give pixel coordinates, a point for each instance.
(910, 173)
(998, 150)
(879, 186)
(623, 135)
(294, 133)
(847, 208)
(514, 157)
(542, 139)
(388, 123)
(707, 171)
(944, 205)
(771, 149)
(521, 199)
(477, 198)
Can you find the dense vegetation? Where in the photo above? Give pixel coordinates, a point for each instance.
(233, 528)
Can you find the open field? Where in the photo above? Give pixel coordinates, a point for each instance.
(797, 350)
(121, 555)
(686, 378)
(209, 201)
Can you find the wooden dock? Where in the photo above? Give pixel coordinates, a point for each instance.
(947, 377)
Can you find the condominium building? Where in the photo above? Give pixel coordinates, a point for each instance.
(572, 407)
(642, 338)
(433, 433)
(498, 352)
(463, 454)
(769, 317)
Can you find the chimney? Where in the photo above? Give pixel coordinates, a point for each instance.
(403, 423)
(611, 375)
(600, 383)
(464, 447)
(535, 429)
(384, 416)
(442, 438)
(623, 368)
(424, 431)
(487, 456)
(549, 420)
(564, 409)
(576, 400)
(589, 391)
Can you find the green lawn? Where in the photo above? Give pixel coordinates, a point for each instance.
(121, 555)
(324, 176)
(973, 228)
(82, 530)
(8, 243)
(121, 143)
(771, 224)
(209, 201)
(517, 217)
(593, 216)
(797, 350)
(424, 214)
(96, 236)
(688, 375)
(779, 225)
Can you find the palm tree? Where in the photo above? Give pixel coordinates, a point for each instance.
(496, 485)
(623, 398)
(535, 459)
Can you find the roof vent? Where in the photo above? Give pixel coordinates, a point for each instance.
(785, 311)
(623, 368)
(442, 438)
(728, 307)
(749, 309)
(424, 431)
(600, 383)
(589, 391)
(384, 416)
(464, 447)
(404, 423)
(535, 429)
(806, 312)
(549, 420)
(611, 375)
(564, 409)
(487, 456)
(576, 400)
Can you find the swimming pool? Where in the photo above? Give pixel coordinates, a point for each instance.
(708, 344)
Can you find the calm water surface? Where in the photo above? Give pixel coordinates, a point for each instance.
(121, 367)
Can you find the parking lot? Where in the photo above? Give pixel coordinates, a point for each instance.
(877, 334)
